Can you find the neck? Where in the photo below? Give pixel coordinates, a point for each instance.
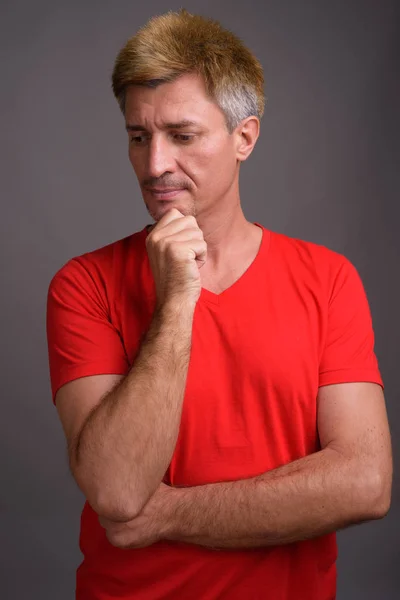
(224, 235)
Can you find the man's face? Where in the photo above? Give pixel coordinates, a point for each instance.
(178, 141)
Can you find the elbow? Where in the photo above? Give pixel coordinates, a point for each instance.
(111, 506)
(110, 499)
(377, 492)
(381, 498)
(115, 508)
(105, 499)
(113, 511)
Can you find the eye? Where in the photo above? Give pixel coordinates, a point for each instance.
(184, 137)
(137, 139)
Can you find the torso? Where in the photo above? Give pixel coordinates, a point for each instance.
(249, 407)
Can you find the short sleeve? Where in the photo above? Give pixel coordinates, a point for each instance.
(80, 337)
(348, 354)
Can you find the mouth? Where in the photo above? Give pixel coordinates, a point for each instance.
(166, 194)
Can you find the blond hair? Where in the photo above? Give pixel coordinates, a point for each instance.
(176, 43)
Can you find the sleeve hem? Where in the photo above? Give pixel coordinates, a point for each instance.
(77, 371)
(350, 376)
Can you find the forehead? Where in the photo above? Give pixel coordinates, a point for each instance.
(183, 99)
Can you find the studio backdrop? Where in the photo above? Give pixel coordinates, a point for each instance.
(325, 169)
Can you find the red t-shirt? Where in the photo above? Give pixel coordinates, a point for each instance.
(298, 318)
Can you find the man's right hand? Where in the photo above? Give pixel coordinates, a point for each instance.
(176, 250)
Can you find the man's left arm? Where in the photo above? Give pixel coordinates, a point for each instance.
(347, 482)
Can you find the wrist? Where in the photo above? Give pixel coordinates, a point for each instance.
(177, 313)
(172, 530)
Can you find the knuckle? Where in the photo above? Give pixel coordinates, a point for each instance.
(149, 240)
(171, 250)
(199, 233)
(153, 238)
(191, 219)
(162, 244)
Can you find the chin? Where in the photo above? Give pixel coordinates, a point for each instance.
(161, 208)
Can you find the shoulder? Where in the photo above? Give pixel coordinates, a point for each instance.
(305, 250)
(309, 259)
(99, 265)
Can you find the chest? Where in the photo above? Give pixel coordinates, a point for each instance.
(250, 399)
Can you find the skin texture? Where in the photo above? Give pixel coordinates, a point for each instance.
(121, 450)
(121, 432)
(204, 159)
(347, 482)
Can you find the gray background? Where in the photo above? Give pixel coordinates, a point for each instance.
(324, 169)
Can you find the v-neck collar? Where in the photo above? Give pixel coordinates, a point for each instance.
(245, 280)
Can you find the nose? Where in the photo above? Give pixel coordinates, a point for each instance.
(161, 158)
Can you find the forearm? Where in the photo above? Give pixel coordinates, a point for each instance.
(126, 444)
(310, 497)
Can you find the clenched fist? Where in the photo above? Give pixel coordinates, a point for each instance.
(176, 250)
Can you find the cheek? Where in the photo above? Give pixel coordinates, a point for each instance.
(209, 161)
(132, 160)
(213, 151)
(139, 166)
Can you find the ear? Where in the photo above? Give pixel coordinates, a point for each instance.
(247, 133)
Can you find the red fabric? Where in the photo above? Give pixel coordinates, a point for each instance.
(297, 319)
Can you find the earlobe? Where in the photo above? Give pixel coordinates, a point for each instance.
(247, 135)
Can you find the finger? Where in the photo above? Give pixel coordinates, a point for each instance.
(171, 215)
(173, 226)
(197, 250)
(183, 235)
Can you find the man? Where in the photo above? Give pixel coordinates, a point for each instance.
(216, 381)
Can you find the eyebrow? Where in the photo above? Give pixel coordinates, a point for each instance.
(180, 125)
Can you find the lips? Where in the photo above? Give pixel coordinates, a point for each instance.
(165, 194)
